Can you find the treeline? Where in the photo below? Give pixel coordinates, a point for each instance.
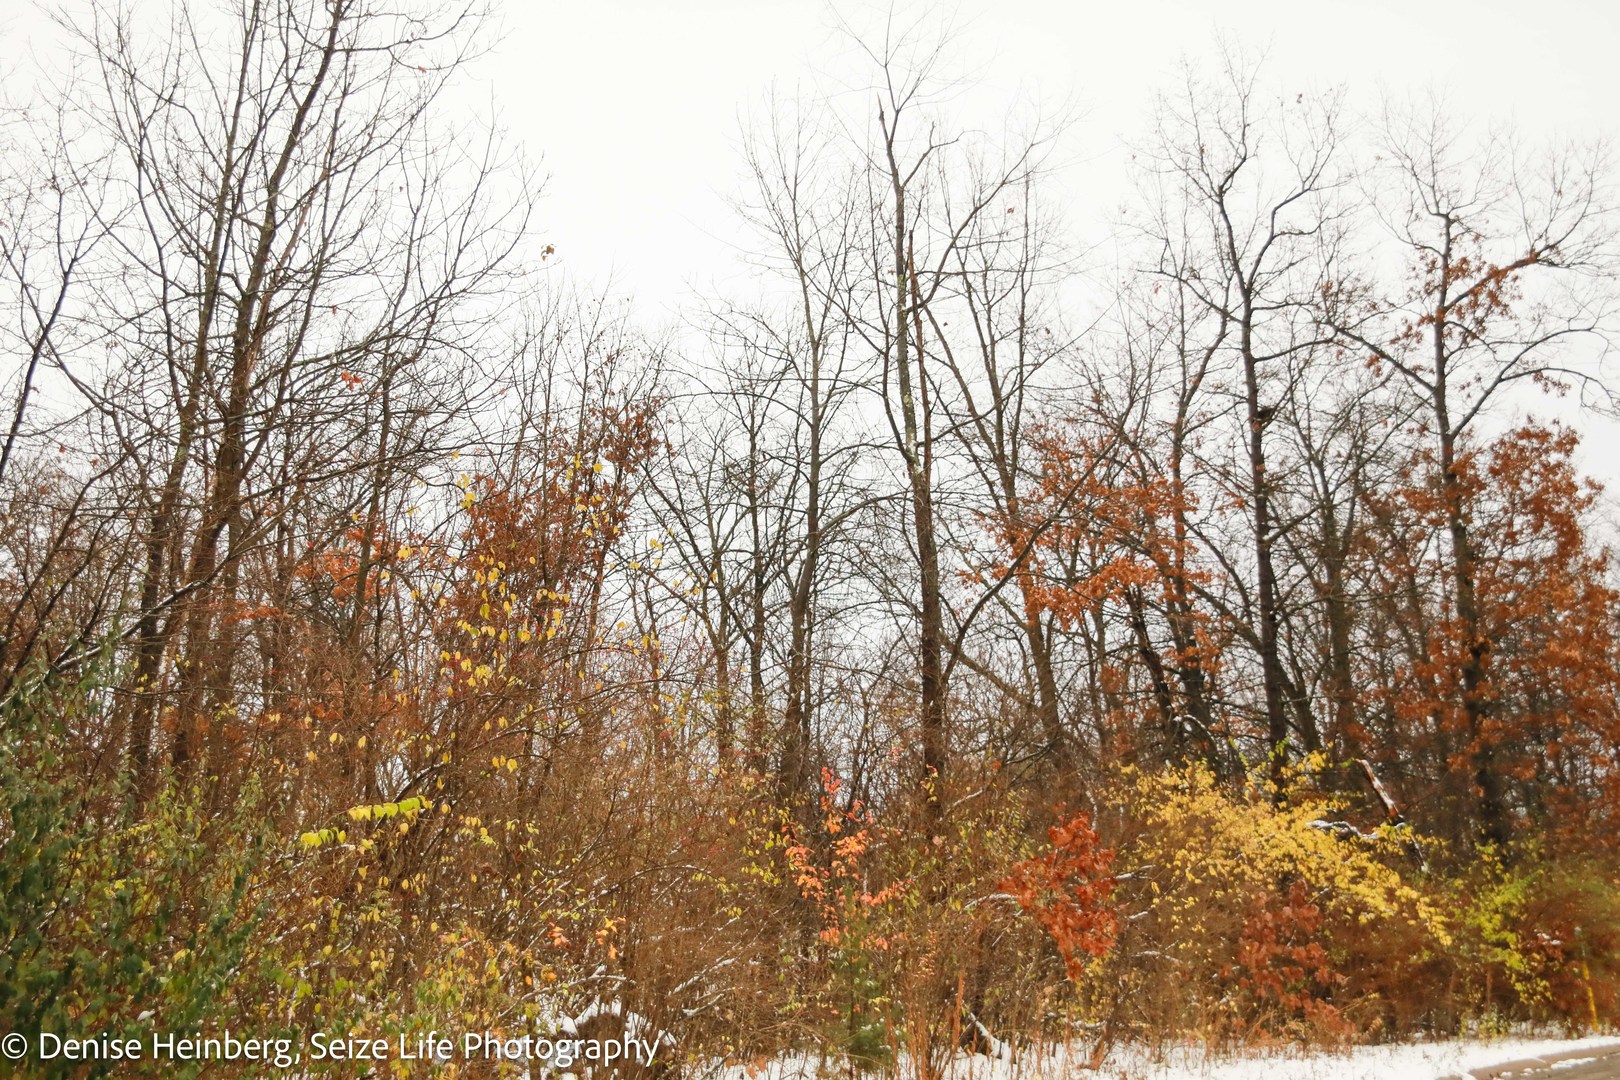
(951, 640)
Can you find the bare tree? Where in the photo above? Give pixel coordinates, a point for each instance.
(297, 263)
(1256, 184)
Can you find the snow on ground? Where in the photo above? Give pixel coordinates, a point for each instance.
(1419, 1061)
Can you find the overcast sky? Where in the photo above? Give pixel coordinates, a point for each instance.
(634, 107)
(634, 104)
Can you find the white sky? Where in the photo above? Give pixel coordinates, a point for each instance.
(634, 107)
(635, 104)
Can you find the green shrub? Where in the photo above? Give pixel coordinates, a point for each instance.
(111, 924)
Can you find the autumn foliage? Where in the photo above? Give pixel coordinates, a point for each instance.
(1067, 890)
(897, 663)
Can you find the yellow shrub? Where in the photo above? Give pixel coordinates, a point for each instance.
(1213, 884)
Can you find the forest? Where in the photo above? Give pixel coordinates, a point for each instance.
(949, 641)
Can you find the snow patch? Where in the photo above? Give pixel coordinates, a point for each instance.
(1410, 1061)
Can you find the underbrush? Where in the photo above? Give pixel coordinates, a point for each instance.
(1174, 909)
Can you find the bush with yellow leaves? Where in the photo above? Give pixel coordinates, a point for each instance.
(1240, 914)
